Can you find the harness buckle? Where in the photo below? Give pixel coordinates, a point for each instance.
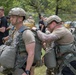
(69, 55)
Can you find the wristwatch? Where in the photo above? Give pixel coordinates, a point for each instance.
(27, 72)
(37, 29)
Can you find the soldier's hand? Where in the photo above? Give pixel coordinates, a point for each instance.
(34, 28)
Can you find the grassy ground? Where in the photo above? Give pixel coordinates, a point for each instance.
(40, 70)
(1, 74)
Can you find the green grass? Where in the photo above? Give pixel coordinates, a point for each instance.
(40, 70)
(1, 74)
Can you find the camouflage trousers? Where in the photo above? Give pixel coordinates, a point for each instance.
(65, 70)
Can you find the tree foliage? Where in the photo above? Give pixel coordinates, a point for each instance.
(47, 7)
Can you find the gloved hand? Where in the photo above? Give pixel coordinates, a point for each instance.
(34, 28)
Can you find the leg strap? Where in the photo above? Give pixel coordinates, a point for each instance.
(70, 66)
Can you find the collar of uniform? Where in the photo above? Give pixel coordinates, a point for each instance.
(22, 28)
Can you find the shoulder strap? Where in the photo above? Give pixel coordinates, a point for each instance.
(22, 29)
(36, 36)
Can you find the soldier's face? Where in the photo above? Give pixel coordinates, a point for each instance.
(16, 20)
(1, 13)
(51, 26)
(13, 19)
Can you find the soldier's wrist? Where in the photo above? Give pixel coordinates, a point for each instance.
(27, 72)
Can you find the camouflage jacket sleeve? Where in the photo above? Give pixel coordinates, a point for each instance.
(47, 37)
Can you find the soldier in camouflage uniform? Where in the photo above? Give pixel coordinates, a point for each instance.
(63, 49)
(26, 45)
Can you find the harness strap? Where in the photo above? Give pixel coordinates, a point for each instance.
(69, 65)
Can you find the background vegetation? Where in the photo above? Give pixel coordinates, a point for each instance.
(66, 9)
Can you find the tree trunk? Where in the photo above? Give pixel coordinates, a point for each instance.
(57, 8)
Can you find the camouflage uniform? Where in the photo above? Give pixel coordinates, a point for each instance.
(22, 40)
(59, 35)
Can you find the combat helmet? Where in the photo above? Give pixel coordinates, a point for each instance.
(67, 24)
(1, 8)
(17, 11)
(29, 22)
(53, 18)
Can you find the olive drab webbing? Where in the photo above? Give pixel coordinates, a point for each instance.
(70, 66)
(68, 53)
